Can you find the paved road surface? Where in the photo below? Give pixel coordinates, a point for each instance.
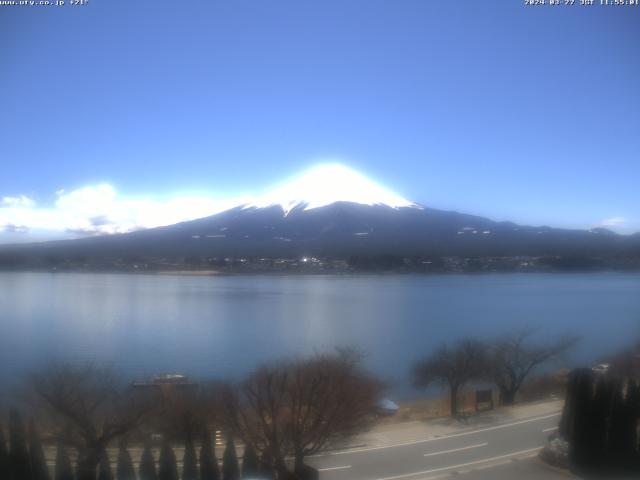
(527, 469)
(472, 452)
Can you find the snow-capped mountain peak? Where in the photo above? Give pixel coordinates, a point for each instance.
(326, 184)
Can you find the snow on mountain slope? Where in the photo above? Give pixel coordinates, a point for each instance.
(326, 184)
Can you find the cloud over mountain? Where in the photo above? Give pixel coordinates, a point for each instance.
(100, 209)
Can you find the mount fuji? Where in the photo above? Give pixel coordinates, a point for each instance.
(327, 184)
(332, 212)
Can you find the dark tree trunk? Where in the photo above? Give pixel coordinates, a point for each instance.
(507, 396)
(39, 470)
(266, 466)
(63, 469)
(125, 465)
(104, 470)
(281, 469)
(4, 457)
(622, 429)
(578, 422)
(599, 419)
(19, 466)
(88, 465)
(298, 462)
(454, 400)
(250, 462)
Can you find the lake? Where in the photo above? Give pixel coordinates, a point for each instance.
(226, 325)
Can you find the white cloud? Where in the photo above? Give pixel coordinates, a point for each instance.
(21, 201)
(620, 224)
(99, 209)
(613, 222)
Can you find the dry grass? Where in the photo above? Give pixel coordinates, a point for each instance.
(429, 408)
(420, 409)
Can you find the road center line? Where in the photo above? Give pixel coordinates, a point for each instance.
(329, 469)
(433, 439)
(453, 467)
(550, 429)
(457, 449)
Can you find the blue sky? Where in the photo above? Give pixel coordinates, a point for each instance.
(522, 113)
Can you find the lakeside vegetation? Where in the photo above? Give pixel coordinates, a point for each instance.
(384, 263)
(506, 362)
(281, 413)
(276, 417)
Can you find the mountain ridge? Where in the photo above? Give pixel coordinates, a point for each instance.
(333, 212)
(340, 230)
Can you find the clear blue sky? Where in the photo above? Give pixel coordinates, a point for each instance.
(490, 107)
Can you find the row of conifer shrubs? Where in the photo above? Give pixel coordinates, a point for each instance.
(23, 458)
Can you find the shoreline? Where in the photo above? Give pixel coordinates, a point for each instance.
(182, 273)
(313, 272)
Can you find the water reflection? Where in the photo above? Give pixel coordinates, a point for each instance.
(226, 325)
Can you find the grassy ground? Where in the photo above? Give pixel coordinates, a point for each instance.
(545, 387)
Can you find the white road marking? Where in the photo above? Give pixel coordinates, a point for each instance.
(551, 429)
(433, 439)
(453, 467)
(457, 449)
(329, 469)
(476, 468)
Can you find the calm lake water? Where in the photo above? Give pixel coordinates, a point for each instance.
(225, 326)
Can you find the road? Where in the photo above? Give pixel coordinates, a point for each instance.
(475, 450)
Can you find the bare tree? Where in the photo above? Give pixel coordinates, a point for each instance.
(253, 409)
(330, 398)
(513, 357)
(125, 470)
(187, 410)
(89, 407)
(299, 407)
(63, 469)
(453, 366)
(39, 470)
